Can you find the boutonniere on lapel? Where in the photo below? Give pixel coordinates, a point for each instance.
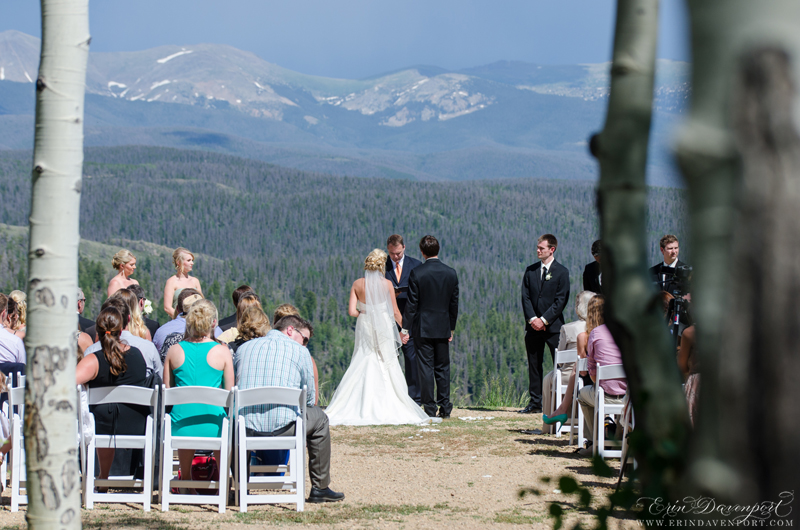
(549, 275)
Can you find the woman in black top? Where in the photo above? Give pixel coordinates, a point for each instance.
(116, 364)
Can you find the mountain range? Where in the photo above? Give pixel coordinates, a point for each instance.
(506, 119)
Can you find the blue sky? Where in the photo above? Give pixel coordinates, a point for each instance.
(361, 38)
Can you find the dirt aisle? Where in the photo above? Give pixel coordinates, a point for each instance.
(464, 473)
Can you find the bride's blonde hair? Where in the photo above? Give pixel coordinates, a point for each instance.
(376, 260)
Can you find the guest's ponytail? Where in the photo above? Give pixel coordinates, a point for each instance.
(109, 327)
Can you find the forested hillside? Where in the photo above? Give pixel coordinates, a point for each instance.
(301, 238)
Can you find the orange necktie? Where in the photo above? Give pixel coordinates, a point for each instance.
(398, 271)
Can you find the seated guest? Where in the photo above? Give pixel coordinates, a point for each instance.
(5, 428)
(230, 321)
(246, 300)
(146, 348)
(176, 337)
(285, 310)
(281, 359)
(152, 325)
(690, 368)
(601, 349)
(254, 324)
(18, 321)
(199, 360)
(12, 349)
(84, 343)
(114, 364)
(83, 323)
(568, 340)
(178, 324)
(136, 324)
(125, 263)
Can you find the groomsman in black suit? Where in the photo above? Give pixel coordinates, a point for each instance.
(398, 270)
(591, 273)
(664, 273)
(430, 318)
(545, 291)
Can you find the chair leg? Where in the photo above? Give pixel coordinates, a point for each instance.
(166, 474)
(244, 477)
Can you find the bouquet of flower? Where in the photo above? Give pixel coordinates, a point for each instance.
(148, 306)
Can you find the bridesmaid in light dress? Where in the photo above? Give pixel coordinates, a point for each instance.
(184, 263)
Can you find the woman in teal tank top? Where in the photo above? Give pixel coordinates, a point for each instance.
(198, 361)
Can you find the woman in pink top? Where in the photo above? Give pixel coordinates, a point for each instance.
(600, 349)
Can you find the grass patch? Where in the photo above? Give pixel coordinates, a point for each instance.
(151, 522)
(516, 516)
(340, 514)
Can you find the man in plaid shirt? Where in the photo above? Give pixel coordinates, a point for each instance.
(282, 359)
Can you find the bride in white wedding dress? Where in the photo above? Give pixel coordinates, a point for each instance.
(373, 391)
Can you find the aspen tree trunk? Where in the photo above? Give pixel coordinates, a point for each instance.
(50, 395)
(740, 153)
(633, 311)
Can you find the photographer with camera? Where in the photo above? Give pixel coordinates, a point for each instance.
(673, 276)
(666, 274)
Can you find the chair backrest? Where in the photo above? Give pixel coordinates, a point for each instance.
(197, 394)
(566, 356)
(611, 371)
(271, 395)
(131, 395)
(16, 396)
(582, 365)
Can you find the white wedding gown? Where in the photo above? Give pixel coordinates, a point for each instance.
(373, 391)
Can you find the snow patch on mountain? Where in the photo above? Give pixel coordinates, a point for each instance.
(160, 83)
(170, 57)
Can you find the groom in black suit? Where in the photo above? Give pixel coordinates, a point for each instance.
(545, 291)
(430, 315)
(398, 270)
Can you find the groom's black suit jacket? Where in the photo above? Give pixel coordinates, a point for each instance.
(545, 299)
(401, 284)
(432, 307)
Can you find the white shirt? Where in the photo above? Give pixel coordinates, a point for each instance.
(148, 349)
(12, 349)
(394, 263)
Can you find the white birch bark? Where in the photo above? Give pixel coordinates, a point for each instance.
(50, 396)
(740, 153)
(634, 317)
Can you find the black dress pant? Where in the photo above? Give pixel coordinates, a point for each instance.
(433, 364)
(534, 345)
(411, 371)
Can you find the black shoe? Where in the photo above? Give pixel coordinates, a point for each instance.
(444, 415)
(326, 495)
(530, 409)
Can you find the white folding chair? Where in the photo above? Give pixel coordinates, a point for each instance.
(199, 395)
(559, 385)
(16, 403)
(294, 475)
(601, 409)
(628, 424)
(130, 395)
(576, 416)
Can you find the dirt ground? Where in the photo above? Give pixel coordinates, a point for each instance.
(465, 473)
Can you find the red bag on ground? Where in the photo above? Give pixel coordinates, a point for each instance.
(203, 468)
